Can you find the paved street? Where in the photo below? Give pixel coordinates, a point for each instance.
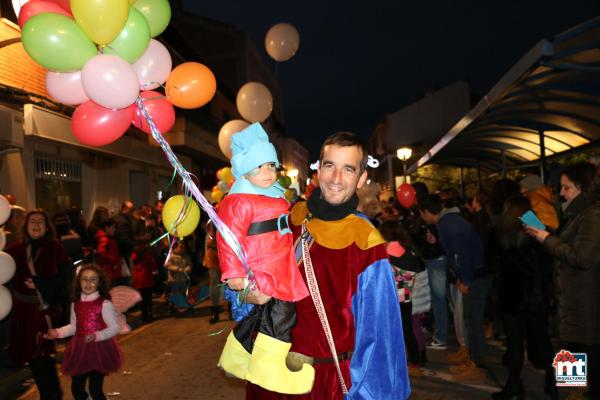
(175, 357)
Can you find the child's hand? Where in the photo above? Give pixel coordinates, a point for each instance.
(90, 338)
(51, 335)
(236, 283)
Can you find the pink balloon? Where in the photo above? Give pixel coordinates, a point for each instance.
(159, 108)
(34, 7)
(66, 87)
(154, 66)
(95, 125)
(110, 81)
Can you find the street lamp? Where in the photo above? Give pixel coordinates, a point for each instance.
(404, 153)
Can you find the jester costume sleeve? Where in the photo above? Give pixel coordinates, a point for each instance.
(358, 292)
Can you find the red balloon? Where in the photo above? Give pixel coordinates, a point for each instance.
(66, 4)
(34, 7)
(159, 108)
(406, 195)
(95, 125)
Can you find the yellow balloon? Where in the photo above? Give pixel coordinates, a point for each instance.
(217, 195)
(171, 211)
(101, 20)
(226, 175)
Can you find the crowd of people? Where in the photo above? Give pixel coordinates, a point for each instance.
(499, 277)
(49, 252)
(382, 284)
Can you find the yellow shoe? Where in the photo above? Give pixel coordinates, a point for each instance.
(414, 371)
(470, 374)
(460, 357)
(234, 358)
(267, 368)
(458, 368)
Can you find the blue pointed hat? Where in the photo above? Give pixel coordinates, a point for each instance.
(250, 148)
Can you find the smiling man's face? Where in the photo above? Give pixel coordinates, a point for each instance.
(340, 173)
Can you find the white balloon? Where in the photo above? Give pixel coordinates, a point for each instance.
(227, 131)
(254, 102)
(282, 41)
(5, 302)
(110, 81)
(154, 66)
(4, 210)
(7, 267)
(66, 87)
(2, 239)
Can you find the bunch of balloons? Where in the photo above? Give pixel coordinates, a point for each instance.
(101, 56)
(226, 179)
(7, 264)
(254, 100)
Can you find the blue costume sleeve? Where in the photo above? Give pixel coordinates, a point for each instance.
(378, 367)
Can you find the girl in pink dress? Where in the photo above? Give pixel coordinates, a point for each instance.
(93, 352)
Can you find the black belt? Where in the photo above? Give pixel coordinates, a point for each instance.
(341, 357)
(276, 224)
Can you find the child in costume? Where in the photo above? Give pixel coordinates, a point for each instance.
(256, 212)
(405, 264)
(179, 267)
(93, 352)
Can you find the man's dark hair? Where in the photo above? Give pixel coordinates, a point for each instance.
(346, 139)
(433, 204)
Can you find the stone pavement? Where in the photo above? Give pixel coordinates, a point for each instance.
(203, 348)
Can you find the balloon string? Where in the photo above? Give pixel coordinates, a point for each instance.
(158, 239)
(223, 229)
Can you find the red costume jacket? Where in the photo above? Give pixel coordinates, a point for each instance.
(270, 255)
(108, 257)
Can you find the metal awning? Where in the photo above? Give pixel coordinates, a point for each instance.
(549, 99)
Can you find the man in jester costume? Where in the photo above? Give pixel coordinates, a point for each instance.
(349, 328)
(256, 212)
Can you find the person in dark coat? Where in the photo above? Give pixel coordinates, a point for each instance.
(39, 288)
(577, 254)
(522, 279)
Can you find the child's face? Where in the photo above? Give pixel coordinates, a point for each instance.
(179, 248)
(89, 281)
(264, 176)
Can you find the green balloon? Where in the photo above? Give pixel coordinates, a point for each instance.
(133, 40)
(157, 12)
(56, 42)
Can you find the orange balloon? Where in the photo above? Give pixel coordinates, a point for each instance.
(190, 85)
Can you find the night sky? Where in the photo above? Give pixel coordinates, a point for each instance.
(359, 60)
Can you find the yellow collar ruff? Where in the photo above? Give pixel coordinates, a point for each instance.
(338, 234)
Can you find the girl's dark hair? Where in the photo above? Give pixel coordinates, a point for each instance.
(510, 229)
(502, 190)
(48, 235)
(393, 230)
(106, 223)
(100, 214)
(102, 283)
